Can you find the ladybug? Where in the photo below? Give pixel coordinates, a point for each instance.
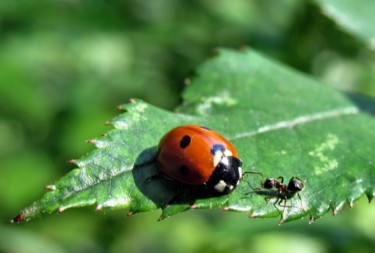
(198, 156)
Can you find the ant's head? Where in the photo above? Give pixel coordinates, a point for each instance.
(295, 185)
(269, 183)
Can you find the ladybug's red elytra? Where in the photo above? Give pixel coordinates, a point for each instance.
(197, 155)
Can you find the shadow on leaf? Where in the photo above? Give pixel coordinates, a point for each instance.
(160, 189)
(364, 103)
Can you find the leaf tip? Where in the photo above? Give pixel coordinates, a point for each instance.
(132, 100)
(17, 219)
(72, 161)
(130, 213)
(337, 208)
(60, 209)
(253, 215)
(107, 123)
(351, 204)
(161, 218)
(50, 187)
(311, 220)
(193, 206)
(120, 108)
(370, 197)
(99, 208)
(91, 141)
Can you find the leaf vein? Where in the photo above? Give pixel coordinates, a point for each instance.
(298, 121)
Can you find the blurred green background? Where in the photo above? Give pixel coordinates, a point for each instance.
(66, 64)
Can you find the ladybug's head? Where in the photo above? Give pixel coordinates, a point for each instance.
(227, 175)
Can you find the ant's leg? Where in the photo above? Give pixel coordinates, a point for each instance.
(299, 197)
(284, 207)
(296, 178)
(260, 191)
(277, 203)
(268, 199)
(281, 178)
(299, 179)
(252, 172)
(254, 190)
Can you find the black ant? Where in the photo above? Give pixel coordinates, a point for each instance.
(282, 191)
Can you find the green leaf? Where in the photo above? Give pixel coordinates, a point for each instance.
(282, 123)
(354, 17)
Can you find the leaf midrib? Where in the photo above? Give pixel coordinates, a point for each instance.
(300, 120)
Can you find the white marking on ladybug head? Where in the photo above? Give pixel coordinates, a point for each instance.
(220, 186)
(227, 152)
(240, 173)
(217, 157)
(225, 161)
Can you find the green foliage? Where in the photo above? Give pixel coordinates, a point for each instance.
(354, 17)
(65, 65)
(282, 124)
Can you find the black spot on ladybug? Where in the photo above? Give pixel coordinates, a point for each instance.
(183, 170)
(203, 127)
(216, 148)
(185, 141)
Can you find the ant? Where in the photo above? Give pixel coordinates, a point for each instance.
(282, 191)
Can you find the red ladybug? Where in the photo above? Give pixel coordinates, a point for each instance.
(196, 155)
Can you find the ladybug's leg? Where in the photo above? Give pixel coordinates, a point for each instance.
(158, 176)
(173, 200)
(153, 177)
(183, 195)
